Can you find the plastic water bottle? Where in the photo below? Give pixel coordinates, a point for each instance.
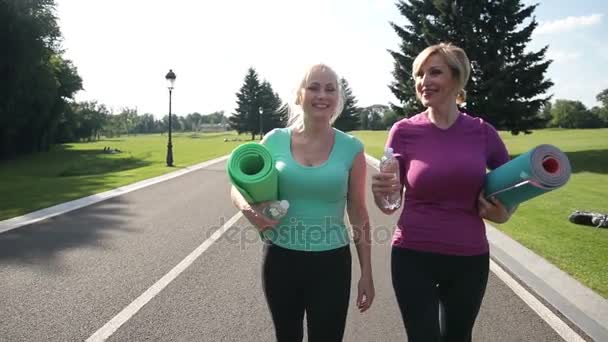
(390, 164)
(276, 210)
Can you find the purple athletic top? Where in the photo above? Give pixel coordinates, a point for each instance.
(443, 172)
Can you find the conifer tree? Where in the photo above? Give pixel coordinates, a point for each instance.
(350, 119)
(507, 85)
(271, 105)
(245, 119)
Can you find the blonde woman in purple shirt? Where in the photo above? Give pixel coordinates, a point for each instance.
(440, 251)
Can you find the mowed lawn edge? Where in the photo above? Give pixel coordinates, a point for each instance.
(76, 170)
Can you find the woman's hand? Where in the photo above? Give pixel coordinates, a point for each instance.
(492, 210)
(365, 292)
(254, 213)
(384, 183)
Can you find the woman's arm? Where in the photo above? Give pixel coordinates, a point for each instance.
(253, 212)
(238, 200)
(359, 220)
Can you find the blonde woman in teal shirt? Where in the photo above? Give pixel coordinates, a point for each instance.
(306, 265)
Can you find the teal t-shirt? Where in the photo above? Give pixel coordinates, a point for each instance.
(316, 195)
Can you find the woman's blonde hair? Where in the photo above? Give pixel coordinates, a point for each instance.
(296, 113)
(455, 58)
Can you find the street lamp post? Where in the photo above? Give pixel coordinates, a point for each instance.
(261, 126)
(171, 82)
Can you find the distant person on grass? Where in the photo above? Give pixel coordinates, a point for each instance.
(440, 251)
(306, 265)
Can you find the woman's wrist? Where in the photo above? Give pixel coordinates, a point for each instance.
(245, 206)
(366, 273)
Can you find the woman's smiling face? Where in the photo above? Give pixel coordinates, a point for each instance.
(319, 95)
(435, 82)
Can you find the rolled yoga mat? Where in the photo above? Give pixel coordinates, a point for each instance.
(251, 170)
(538, 171)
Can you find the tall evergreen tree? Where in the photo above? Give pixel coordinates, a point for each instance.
(259, 108)
(349, 120)
(246, 116)
(270, 102)
(507, 83)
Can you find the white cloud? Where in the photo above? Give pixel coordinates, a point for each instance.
(568, 24)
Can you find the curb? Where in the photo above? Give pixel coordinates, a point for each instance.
(63, 208)
(580, 305)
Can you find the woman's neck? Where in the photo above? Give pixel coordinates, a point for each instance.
(443, 116)
(315, 128)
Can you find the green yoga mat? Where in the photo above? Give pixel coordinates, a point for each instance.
(538, 171)
(251, 170)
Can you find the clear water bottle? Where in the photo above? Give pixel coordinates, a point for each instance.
(276, 210)
(390, 164)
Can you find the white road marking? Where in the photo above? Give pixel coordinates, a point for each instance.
(109, 328)
(543, 312)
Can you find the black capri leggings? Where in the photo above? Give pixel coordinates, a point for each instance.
(317, 283)
(421, 280)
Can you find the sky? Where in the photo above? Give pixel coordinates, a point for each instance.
(124, 48)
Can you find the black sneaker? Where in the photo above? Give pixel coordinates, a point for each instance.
(588, 218)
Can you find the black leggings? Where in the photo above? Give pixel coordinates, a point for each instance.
(317, 283)
(421, 280)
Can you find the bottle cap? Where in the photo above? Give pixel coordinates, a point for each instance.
(388, 152)
(284, 204)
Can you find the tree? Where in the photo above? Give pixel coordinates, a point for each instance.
(246, 116)
(84, 121)
(389, 118)
(545, 113)
(146, 124)
(128, 119)
(363, 120)
(349, 118)
(214, 118)
(259, 108)
(374, 116)
(194, 122)
(544, 117)
(271, 104)
(36, 82)
(507, 83)
(573, 114)
(603, 98)
(602, 112)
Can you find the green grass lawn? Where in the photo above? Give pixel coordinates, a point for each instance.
(541, 224)
(76, 170)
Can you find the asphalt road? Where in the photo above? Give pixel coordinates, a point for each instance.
(64, 278)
